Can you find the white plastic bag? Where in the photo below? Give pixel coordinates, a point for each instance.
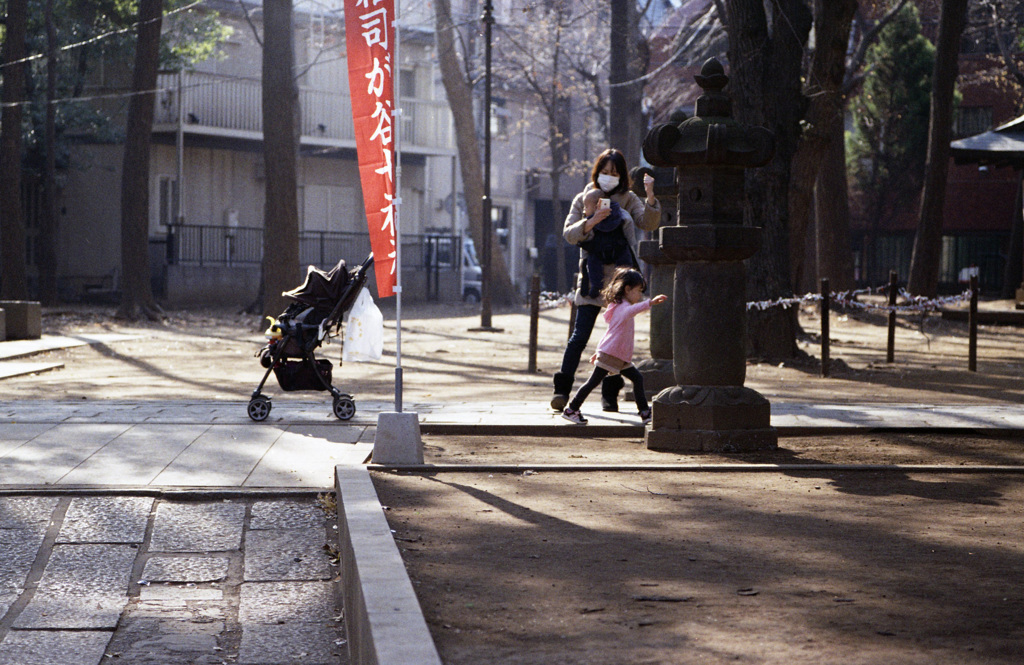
(364, 330)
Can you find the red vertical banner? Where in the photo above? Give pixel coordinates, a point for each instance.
(369, 42)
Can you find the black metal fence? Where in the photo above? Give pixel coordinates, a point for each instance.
(198, 245)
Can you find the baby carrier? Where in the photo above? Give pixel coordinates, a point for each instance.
(315, 316)
(608, 246)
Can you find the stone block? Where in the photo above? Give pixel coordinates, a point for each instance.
(82, 587)
(711, 441)
(286, 602)
(186, 569)
(31, 647)
(106, 519)
(397, 440)
(286, 514)
(24, 319)
(200, 527)
(291, 644)
(149, 641)
(286, 554)
(711, 419)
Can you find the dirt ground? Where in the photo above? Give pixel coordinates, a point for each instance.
(209, 354)
(668, 568)
(672, 567)
(659, 567)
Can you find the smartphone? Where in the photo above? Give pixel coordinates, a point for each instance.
(604, 203)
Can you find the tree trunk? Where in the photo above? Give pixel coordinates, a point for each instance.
(13, 282)
(832, 21)
(559, 137)
(925, 261)
(832, 216)
(460, 98)
(48, 219)
(766, 91)
(136, 292)
(280, 155)
(625, 108)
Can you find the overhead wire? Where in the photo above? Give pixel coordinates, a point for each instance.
(106, 35)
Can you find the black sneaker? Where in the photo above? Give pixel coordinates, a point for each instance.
(574, 416)
(645, 416)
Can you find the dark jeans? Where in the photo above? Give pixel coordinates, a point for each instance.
(631, 373)
(586, 316)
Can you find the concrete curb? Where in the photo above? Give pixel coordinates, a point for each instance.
(202, 493)
(12, 368)
(695, 468)
(382, 614)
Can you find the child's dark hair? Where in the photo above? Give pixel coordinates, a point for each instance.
(623, 279)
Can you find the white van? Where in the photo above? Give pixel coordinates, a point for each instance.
(472, 273)
(438, 253)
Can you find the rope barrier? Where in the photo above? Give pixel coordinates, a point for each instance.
(911, 304)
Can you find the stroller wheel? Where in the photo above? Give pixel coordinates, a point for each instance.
(344, 407)
(259, 408)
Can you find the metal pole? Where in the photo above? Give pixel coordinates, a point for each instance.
(825, 309)
(397, 116)
(972, 327)
(534, 316)
(890, 353)
(485, 259)
(180, 145)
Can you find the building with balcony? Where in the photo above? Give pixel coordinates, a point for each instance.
(207, 172)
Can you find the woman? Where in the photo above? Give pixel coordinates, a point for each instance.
(611, 176)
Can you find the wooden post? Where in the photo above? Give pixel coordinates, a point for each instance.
(972, 327)
(890, 353)
(825, 308)
(531, 365)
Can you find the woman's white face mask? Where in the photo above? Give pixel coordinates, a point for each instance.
(607, 182)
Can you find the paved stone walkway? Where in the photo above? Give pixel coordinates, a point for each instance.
(134, 579)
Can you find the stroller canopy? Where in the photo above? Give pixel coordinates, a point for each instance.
(321, 290)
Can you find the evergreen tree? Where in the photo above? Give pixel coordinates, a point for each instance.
(887, 148)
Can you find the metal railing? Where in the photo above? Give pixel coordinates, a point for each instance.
(198, 245)
(235, 103)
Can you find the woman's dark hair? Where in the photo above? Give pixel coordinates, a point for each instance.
(623, 279)
(618, 160)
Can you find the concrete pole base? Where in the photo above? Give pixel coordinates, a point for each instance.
(397, 440)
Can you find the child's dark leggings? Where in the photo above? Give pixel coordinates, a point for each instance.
(631, 373)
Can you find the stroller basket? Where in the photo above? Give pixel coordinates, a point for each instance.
(298, 375)
(317, 308)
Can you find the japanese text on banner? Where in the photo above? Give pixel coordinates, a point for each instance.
(369, 39)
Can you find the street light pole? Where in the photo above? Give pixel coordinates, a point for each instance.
(485, 260)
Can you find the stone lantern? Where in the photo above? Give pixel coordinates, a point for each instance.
(709, 409)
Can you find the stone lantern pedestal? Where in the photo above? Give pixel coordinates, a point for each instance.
(709, 409)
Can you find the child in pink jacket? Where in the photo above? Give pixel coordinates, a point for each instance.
(623, 298)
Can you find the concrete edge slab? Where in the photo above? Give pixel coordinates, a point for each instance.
(382, 614)
(698, 468)
(164, 491)
(12, 368)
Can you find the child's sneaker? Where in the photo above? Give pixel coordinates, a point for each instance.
(574, 416)
(645, 416)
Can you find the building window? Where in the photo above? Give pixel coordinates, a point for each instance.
(168, 201)
(971, 120)
(407, 83)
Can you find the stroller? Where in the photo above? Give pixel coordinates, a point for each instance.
(319, 305)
